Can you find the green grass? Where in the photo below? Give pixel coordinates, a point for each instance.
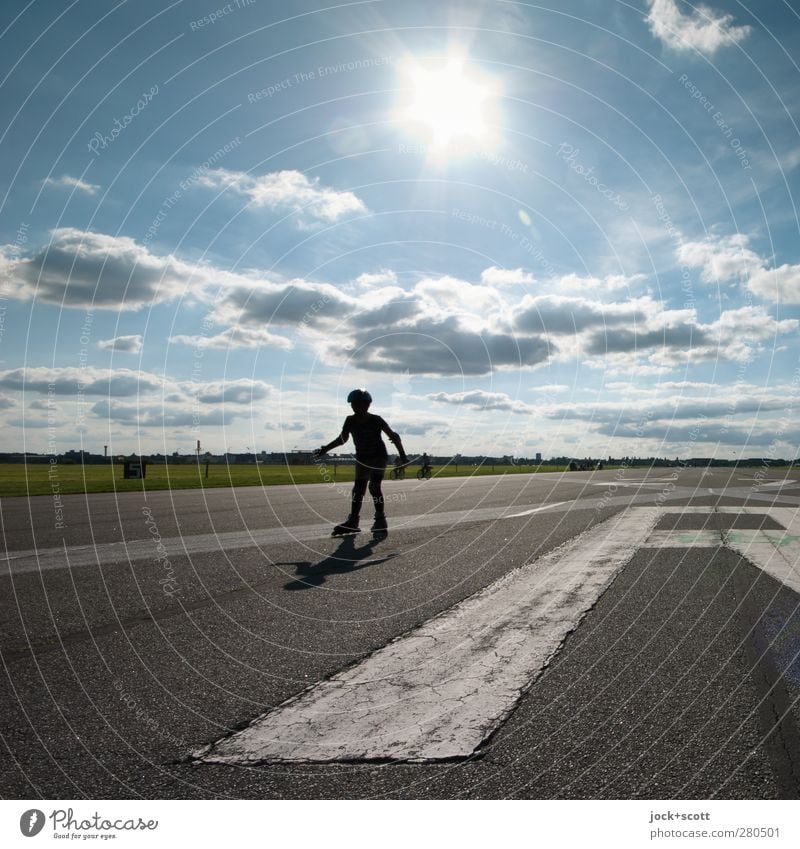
(63, 479)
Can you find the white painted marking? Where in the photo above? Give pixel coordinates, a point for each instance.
(679, 510)
(778, 484)
(537, 509)
(683, 539)
(776, 552)
(442, 689)
(636, 484)
(45, 559)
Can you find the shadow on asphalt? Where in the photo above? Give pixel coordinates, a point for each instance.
(347, 558)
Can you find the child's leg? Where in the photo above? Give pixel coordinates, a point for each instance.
(375, 480)
(359, 488)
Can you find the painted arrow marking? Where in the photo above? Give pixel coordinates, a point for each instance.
(439, 691)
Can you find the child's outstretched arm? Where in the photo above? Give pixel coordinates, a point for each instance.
(394, 438)
(340, 440)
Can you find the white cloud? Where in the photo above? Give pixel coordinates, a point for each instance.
(780, 285)
(729, 258)
(481, 400)
(750, 323)
(288, 190)
(89, 381)
(438, 347)
(721, 259)
(556, 314)
(609, 283)
(165, 414)
(384, 277)
(298, 302)
(550, 388)
(122, 344)
(500, 277)
(495, 276)
(667, 409)
(450, 294)
(236, 337)
(85, 269)
(292, 427)
(72, 183)
(703, 29)
(241, 391)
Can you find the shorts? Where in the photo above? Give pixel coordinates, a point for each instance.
(370, 465)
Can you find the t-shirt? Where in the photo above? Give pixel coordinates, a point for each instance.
(366, 432)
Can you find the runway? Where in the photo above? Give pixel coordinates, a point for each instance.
(660, 660)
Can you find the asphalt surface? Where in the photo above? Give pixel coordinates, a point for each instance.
(151, 625)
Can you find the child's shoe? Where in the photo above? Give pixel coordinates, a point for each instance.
(349, 526)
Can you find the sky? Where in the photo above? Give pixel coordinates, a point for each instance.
(565, 228)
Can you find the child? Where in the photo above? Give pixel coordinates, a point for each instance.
(371, 459)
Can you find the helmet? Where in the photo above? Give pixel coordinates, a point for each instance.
(359, 395)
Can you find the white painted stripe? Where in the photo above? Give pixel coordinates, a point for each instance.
(635, 484)
(537, 509)
(439, 691)
(106, 554)
(760, 480)
(679, 510)
(45, 559)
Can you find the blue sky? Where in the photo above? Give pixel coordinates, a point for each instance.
(570, 230)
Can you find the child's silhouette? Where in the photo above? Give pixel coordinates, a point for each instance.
(371, 458)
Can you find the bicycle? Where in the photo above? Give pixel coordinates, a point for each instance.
(398, 473)
(424, 473)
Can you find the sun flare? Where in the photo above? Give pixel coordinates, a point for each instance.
(447, 103)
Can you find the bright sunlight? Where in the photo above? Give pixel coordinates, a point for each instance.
(447, 104)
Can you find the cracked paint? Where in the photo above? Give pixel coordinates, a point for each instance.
(442, 699)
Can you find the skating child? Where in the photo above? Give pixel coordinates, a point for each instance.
(371, 458)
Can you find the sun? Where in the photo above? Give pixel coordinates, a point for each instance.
(447, 103)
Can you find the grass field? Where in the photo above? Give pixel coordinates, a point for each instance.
(63, 479)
